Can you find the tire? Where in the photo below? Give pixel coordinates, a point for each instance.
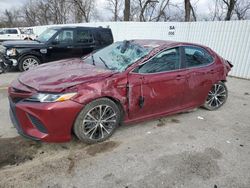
(91, 127)
(27, 62)
(217, 96)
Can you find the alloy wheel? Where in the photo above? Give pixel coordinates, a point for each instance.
(29, 63)
(217, 96)
(99, 122)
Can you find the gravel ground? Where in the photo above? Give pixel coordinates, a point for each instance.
(195, 149)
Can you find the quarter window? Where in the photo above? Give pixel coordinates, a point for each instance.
(167, 60)
(84, 36)
(11, 31)
(104, 37)
(196, 56)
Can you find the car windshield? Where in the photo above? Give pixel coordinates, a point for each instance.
(46, 35)
(118, 56)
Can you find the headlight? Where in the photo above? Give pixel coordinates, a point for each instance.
(46, 97)
(11, 52)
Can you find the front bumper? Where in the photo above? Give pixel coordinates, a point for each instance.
(49, 122)
(7, 60)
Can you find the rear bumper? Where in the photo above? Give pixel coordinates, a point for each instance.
(49, 122)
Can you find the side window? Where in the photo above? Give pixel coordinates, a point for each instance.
(83, 37)
(13, 31)
(167, 60)
(7, 31)
(196, 56)
(103, 36)
(65, 37)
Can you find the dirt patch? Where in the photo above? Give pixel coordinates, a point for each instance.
(178, 170)
(246, 93)
(160, 123)
(175, 120)
(101, 147)
(165, 121)
(71, 164)
(17, 150)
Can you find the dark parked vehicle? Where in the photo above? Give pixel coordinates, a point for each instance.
(126, 82)
(54, 44)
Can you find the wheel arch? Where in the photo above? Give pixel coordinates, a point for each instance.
(115, 100)
(112, 98)
(37, 55)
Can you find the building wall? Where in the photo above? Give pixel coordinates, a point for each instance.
(231, 39)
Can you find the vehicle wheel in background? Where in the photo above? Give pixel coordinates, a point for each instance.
(97, 121)
(217, 96)
(28, 62)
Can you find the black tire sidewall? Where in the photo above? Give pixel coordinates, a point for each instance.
(20, 65)
(85, 110)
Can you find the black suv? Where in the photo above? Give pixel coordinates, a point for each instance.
(54, 44)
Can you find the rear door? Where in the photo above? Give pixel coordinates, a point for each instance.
(157, 87)
(84, 42)
(200, 66)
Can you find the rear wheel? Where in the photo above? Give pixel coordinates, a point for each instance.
(97, 121)
(28, 62)
(217, 96)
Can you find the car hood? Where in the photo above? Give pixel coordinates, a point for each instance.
(23, 44)
(60, 75)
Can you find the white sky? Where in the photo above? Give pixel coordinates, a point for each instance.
(202, 5)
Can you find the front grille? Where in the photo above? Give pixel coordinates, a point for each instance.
(18, 95)
(17, 99)
(19, 91)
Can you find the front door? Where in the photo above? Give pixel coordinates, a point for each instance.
(157, 86)
(62, 46)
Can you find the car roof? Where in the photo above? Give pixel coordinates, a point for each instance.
(162, 43)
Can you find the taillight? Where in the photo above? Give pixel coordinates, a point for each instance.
(229, 63)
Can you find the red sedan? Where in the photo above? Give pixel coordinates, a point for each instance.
(128, 81)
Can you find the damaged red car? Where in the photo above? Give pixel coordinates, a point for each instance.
(126, 82)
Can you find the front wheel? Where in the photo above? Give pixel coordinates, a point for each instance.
(97, 121)
(28, 62)
(217, 96)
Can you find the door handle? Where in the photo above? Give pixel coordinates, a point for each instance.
(179, 77)
(211, 71)
(69, 46)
